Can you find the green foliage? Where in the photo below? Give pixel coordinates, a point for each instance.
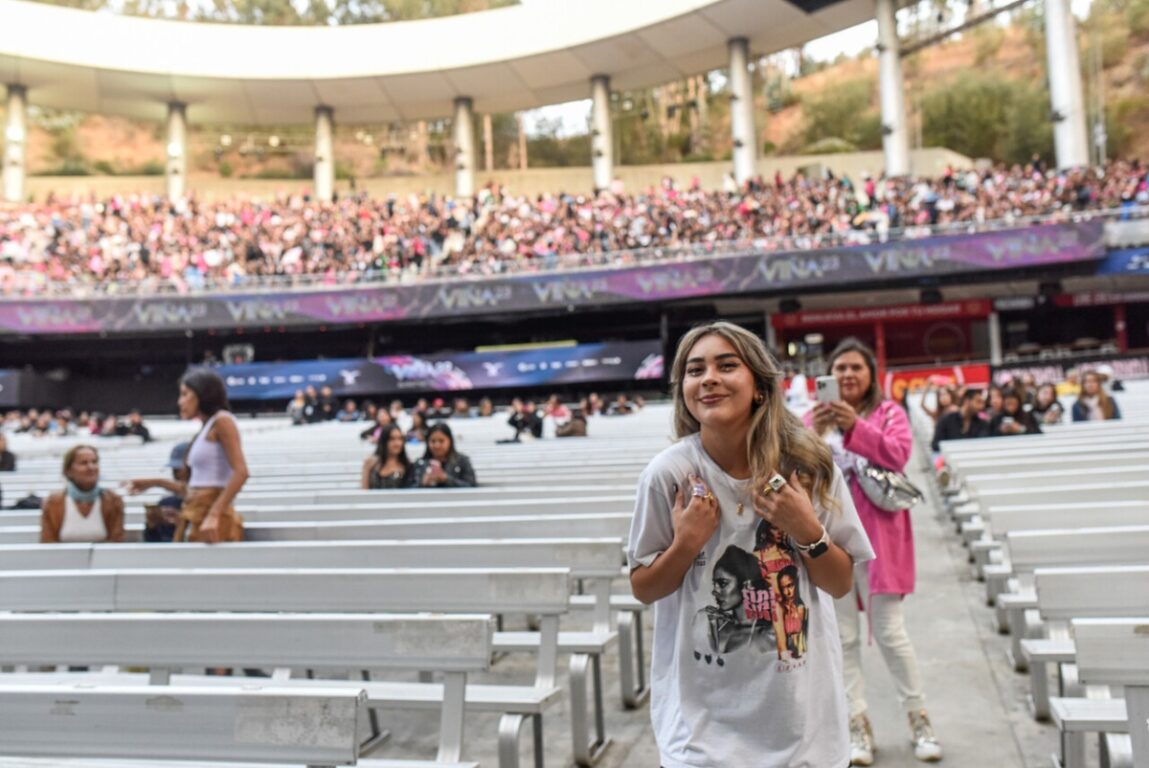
(1120, 116)
(844, 111)
(74, 167)
(981, 115)
(147, 168)
(288, 13)
(103, 168)
(226, 169)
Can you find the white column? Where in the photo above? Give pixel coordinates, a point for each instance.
(324, 154)
(1070, 141)
(994, 327)
(892, 93)
(464, 147)
(742, 110)
(15, 142)
(177, 150)
(601, 134)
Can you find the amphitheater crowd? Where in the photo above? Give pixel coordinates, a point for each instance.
(141, 242)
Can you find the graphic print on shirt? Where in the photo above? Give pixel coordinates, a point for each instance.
(787, 613)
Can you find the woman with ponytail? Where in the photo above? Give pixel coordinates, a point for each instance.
(737, 694)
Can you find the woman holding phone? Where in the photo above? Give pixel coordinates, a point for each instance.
(722, 694)
(862, 424)
(442, 466)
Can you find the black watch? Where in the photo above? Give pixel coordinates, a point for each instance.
(818, 548)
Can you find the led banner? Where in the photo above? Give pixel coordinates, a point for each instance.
(1133, 261)
(450, 372)
(1054, 371)
(10, 388)
(754, 271)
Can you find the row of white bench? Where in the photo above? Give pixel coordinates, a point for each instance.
(1058, 526)
(339, 573)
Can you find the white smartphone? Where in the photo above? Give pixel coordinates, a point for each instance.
(826, 389)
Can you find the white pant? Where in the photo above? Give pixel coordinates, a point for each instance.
(889, 627)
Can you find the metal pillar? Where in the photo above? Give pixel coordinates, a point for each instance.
(324, 154)
(993, 323)
(464, 147)
(177, 160)
(1066, 98)
(742, 110)
(15, 141)
(892, 93)
(601, 135)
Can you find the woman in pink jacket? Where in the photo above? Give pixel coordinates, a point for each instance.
(863, 424)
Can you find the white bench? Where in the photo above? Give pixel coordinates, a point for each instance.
(541, 591)
(313, 727)
(454, 645)
(1112, 652)
(595, 562)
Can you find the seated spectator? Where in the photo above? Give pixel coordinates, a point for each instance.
(442, 466)
(525, 420)
(620, 407)
(373, 432)
(945, 402)
(1094, 403)
(1013, 419)
(62, 427)
(993, 402)
(594, 405)
(396, 410)
(966, 422)
(163, 517)
(297, 409)
(135, 426)
(349, 412)
(461, 409)
(418, 431)
(369, 410)
(554, 409)
(574, 427)
(7, 458)
(82, 512)
(388, 466)
(109, 426)
(1047, 409)
(486, 408)
(327, 405)
(311, 413)
(439, 409)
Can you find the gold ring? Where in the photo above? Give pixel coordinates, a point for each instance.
(709, 496)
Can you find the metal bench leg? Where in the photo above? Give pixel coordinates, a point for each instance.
(510, 735)
(586, 751)
(1072, 750)
(631, 660)
(1039, 690)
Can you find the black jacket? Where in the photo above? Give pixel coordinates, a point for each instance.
(952, 427)
(460, 473)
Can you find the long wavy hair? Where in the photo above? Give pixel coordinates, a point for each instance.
(776, 441)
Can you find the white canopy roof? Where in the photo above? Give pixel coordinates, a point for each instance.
(508, 59)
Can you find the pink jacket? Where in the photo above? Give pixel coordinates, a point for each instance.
(884, 438)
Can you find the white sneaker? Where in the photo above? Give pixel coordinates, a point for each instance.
(861, 741)
(926, 747)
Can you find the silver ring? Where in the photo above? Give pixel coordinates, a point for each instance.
(699, 490)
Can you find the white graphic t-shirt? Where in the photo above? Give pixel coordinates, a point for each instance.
(746, 663)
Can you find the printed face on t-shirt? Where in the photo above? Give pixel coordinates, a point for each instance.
(726, 589)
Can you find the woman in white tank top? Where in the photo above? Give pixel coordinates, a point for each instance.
(82, 512)
(217, 468)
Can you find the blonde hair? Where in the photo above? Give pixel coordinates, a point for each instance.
(71, 453)
(777, 440)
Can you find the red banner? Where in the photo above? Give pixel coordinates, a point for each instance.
(898, 383)
(903, 312)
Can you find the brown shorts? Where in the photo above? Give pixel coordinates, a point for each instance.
(195, 509)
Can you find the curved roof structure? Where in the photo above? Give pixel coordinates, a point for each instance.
(507, 59)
